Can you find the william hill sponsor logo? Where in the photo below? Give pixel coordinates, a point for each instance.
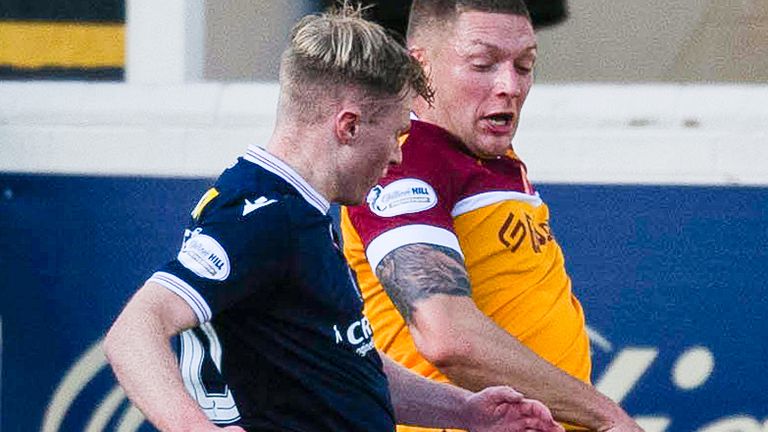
(401, 197)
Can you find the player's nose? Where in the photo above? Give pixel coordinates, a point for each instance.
(507, 81)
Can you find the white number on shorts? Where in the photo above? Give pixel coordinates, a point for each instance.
(218, 404)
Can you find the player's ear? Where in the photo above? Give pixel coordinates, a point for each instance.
(347, 125)
(419, 53)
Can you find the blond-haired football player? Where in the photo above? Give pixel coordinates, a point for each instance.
(272, 334)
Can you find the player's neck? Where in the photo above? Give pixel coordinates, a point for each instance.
(305, 156)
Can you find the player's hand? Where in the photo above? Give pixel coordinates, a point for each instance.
(498, 409)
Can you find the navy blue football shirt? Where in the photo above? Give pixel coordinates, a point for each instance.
(283, 343)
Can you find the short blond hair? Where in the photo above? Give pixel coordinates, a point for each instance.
(332, 51)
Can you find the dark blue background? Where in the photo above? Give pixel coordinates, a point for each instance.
(663, 267)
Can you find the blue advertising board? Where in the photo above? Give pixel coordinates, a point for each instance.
(673, 280)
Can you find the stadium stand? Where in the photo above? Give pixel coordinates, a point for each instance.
(62, 40)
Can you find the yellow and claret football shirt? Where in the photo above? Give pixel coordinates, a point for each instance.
(487, 211)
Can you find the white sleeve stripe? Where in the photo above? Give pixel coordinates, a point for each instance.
(386, 242)
(484, 199)
(186, 292)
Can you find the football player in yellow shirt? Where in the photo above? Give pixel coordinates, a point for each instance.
(462, 276)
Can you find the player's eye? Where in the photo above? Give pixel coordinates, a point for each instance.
(481, 66)
(524, 69)
(481, 60)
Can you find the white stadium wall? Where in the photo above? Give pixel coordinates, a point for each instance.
(589, 133)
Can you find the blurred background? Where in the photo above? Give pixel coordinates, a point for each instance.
(646, 132)
(624, 41)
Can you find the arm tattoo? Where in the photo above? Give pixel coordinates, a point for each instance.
(418, 271)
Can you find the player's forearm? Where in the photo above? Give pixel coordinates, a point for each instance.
(430, 288)
(137, 347)
(480, 354)
(423, 402)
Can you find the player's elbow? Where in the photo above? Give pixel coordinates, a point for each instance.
(445, 331)
(110, 343)
(122, 335)
(118, 336)
(444, 349)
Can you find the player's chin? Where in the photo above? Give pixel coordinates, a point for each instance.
(493, 146)
(355, 198)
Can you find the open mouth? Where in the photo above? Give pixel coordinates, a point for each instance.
(500, 120)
